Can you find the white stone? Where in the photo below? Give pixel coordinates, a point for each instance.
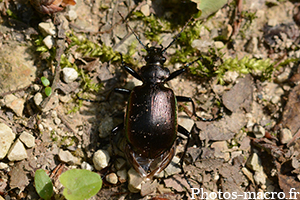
(122, 175)
(71, 15)
(38, 98)
(48, 41)
(101, 159)
(67, 157)
(27, 139)
(254, 163)
(17, 151)
(285, 136)
(173, 167)
(47, 28)
(135, 181)
(6, 137)
(69, 74)
(112, 178)
(87, 166)
(15, 103)
(3, 165)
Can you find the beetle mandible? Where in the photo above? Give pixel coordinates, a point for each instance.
(150, 122)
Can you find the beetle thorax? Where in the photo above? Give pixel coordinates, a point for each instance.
(154, 74)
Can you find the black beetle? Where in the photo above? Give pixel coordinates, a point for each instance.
(151, 118)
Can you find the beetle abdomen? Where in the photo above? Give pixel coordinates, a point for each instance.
(151, 120)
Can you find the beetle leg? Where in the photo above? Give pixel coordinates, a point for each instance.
(122, 91)
(113, 134)
(130, 70)
(180, 71)
(185, 132)
(188, 99)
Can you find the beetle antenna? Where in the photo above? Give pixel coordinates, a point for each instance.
(136, 36)
(176, 37)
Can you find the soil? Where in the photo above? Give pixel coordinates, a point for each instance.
(252, 146)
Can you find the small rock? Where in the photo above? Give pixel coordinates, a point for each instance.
(57, 121)
(185, 121)
(259, 131)
(48, 41)
(69, 74)
(47, 28)
(148, 187)
(112, 178)
(3, 165)
(87, 166)
(230, 76)
(248, 174)
(284, 76)
(219, 44)
(38, 98)
(201, 44)
(260, 178)
(105, 127)
(221, 148)
(6, 137)
(227, 31)
(122, 175)
(67, 157)
(173, 167)
(120, 163)
(27, 139)
(285, 136)
(71, 15)
(254, 163)
(101, 159)
(135, 181)
(17, 151)
(15, 103)
(145, 9)
(251, 46)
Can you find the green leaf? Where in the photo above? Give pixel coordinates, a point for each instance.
(45, 81)
(48, 91)
(208, 7)
(80, 184)
(43, 184)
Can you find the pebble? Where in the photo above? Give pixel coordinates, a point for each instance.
(101, 159)
(112, 178)
(145, 9)
(27, 139)
(105, 127)
(87, 166)
(71, 15)
(48, 41)
(221, 148)
(17, 151)
(3, 165)
(285, 136)
(260, 178)
(122, 175)
(14, 103)
(47, 28)
(67, 157)
(6, 137)
(254, 163)
(69, 74)
(252, 44)
(120, 163)
(259, 131)
(230, 76)
(38, 98)
(185, 121)
(134, 181)
(173, 167)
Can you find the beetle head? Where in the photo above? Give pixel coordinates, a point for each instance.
(155, 56)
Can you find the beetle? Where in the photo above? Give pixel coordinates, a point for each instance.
(150, 123)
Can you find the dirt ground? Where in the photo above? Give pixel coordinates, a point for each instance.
(248, 81)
